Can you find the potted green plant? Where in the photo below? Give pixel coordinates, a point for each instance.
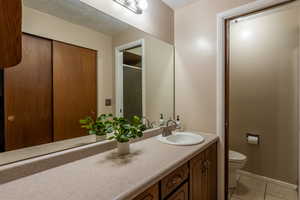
(117, 128)
(97, 126)
(123, 131)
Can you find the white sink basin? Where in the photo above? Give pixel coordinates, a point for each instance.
(182, 139)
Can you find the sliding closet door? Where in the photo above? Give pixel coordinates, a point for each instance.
(28, 96)
(75, 88)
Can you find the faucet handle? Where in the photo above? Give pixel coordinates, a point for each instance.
(171, 121)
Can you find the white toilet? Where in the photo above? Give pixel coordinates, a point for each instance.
(236, 162)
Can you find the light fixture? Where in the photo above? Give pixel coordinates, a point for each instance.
(137, 6)
(142, 4)
(129, 2)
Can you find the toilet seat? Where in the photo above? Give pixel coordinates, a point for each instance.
(236, 157)
(236, 162)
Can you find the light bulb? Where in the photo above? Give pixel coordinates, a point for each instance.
(142, 4)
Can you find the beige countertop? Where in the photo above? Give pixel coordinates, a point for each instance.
(105, 176)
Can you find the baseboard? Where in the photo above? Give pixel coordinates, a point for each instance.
(270, 180)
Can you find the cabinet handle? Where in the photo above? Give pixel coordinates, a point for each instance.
(207, 164)
(175, 180)
(203, 168)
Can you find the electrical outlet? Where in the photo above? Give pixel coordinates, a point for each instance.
(107, 102)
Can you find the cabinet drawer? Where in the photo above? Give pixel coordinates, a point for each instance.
(150, 194)
(181, 194)
(169, 183)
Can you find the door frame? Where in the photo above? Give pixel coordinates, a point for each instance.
(119, 75)
(222, 82)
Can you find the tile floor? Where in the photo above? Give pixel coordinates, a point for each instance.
(250, 188)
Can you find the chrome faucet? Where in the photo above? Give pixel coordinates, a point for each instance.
(167, 130)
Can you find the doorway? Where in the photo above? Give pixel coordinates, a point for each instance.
(130, 80)
(261, 104)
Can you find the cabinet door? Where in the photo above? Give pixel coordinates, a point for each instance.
(203, 175)
(181, 194)
(74, 88)
(28, 96)
(151, 194)
(10, 33)
(211, 156)
(198, 178)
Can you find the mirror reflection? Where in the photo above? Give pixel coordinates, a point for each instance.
(78, 62)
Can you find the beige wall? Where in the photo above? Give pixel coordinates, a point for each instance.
(195, 44)
(263, 92)
(157, 20)
(48, 26)
(159, 63)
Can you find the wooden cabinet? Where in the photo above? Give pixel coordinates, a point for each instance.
(181, 194)
(10, 33)
(203, 175)
(194, 180)
(151, 194)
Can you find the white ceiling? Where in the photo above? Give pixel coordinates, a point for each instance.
(177, 3)
(79, 13)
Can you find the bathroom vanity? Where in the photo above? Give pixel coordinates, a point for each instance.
(152, 171)
(196, 179)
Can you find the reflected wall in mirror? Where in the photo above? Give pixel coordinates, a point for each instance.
(78, 62)
(150, 62)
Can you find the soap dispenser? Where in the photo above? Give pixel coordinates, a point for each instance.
(178, 124)
(161, 120)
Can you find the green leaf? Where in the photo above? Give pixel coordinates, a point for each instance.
(122, 129)
(111, 138)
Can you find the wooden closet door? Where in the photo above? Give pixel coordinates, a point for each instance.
(28, 96)
(75, 88)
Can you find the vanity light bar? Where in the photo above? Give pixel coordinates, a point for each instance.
(131, 5)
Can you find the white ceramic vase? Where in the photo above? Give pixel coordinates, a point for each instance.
(123, 148)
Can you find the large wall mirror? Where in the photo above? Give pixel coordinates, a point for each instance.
(77, 62)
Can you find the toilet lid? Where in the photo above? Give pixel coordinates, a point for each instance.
(236, 157)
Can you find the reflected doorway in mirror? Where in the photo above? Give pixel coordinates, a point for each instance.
(130, 80)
